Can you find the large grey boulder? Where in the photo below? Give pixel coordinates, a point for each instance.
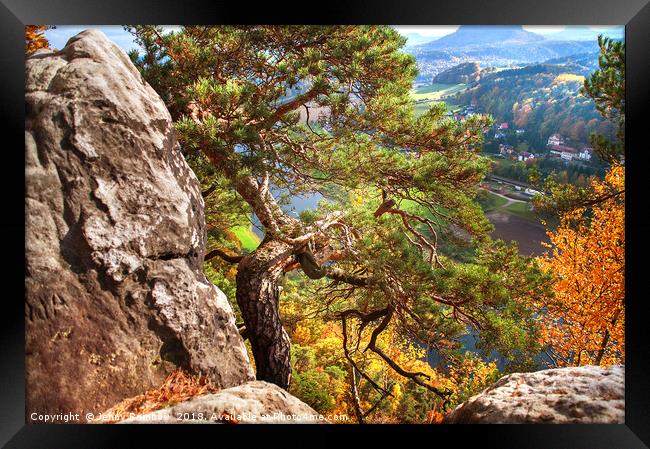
(115, 239)
(255, 402)
(577, 395)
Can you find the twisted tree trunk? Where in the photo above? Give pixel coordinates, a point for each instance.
(258, 299)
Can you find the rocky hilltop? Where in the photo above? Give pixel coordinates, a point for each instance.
(115, 238)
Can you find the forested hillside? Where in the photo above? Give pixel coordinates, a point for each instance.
(462, 73)
(542, 99)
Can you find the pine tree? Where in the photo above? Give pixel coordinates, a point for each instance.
(606, 87)
(327, 109)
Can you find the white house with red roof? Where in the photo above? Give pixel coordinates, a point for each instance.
(566, 153)
(525, 156)
(555, 139)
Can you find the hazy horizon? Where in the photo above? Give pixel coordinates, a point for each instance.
(423, 33)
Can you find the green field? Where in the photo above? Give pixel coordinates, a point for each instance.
(436, 92)
(425, 96)
(490, 202)
(248, 239)
(522, 210)
(495, 203)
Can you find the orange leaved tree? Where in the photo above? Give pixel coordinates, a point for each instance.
(584, 322)
(35, 37)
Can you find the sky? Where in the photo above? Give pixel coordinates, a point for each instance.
(59, 36)
(440, 30)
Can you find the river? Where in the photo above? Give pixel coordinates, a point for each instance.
(297, 205)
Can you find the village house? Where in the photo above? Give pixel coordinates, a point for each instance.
(525, 156)
(565, 153)
(503, 125)
(520, 131)
(555, 140)
(585, 153)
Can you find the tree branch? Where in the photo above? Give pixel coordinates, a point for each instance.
(420, 240)
(351, 360)
(341, 276)
(355, 396)
(218, 253)
(210, 189)
(290, 106)
(313, 270)
(414, 376)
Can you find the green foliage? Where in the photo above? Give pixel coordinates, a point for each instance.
(472, 375)
(414, 406)
(606, 87)
(316, 386)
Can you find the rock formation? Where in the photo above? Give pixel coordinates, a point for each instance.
(250, 403)
(577, 395)
(115, 239)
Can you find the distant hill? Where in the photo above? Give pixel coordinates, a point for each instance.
(582, 64)
(418, 39)
(493, 46)
(462, 73)
(473, 35)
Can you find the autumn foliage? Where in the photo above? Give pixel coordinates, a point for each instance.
(324, 380)
(177, 387)
(584, 321)
(35, 37)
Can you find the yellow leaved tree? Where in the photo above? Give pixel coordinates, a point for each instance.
(584, 322)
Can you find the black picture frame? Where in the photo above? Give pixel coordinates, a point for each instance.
(14, 14)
